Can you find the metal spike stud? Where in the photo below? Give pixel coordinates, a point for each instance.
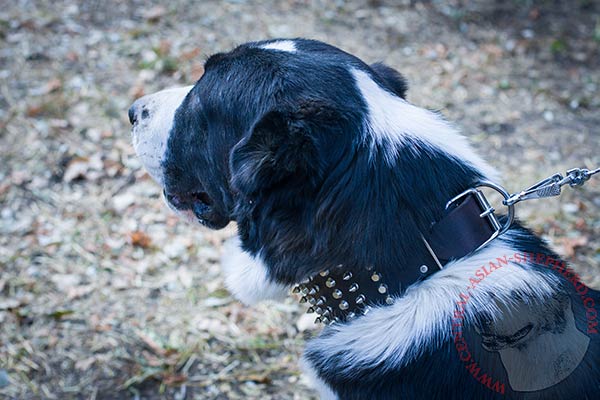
(375, 277)
(324, 273)
(347, 276)
(325, 320)
(382, 289)
(389, 300)
(353, 288)
(310, 310)
(360, 299)
(319, 310)
(317, 320)
(330, 282)
(296, 289)
(314, 290)
(321, 301)
(350, 316)
(304, 291)
(312, 301)
(303, 300)
(337, 294)
(423, 268)
(344, 305)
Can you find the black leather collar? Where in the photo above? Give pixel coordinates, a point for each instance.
(338, 294)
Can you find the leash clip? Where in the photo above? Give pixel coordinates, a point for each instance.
(552, 185)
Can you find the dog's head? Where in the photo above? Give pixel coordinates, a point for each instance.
(268, 116)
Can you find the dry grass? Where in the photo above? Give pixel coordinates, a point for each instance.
(104, 294)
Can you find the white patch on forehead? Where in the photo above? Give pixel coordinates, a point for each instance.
(155, 114)
(392, 120)
(282, 45)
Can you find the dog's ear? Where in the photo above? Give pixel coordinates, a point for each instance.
(282, 146)
(392, 78)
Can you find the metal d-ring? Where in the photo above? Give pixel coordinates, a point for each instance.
(506, 195)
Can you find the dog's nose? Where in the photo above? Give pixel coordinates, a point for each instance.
(132, 114)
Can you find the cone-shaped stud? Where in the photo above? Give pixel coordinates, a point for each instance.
(375, 277)
(353, 288)
(350, 316)
(310, 310)
(319, 310)
(360, 299)
(382, 289)
(330, 282)
(324, 273)
(304, 290)
(340, 265)
(347, 275)
(314, 290)
(303, 300)
(325, 320)
(337, 294)
(389, 300)
(366, 310)
(317, 320)
(344, 305)
(312, 301)
(321, 301)
(296, 289)
(423, 268)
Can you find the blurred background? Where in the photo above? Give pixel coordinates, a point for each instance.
(104, 294)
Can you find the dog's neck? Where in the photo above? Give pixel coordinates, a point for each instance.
(371, 213)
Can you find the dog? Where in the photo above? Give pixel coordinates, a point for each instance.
(334, 180)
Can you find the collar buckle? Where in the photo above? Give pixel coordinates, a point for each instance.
(487, 210)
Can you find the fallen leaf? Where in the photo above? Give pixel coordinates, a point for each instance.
(570, 244)
(152, 344)
(140, 239)
(173, 379)
(258, 378)
(190, 54)
(85, 364)
(52, 85)
(79, 291)
(154, 13)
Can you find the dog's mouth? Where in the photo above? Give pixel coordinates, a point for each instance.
(200, 205)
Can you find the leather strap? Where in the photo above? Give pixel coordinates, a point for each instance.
(339, 294)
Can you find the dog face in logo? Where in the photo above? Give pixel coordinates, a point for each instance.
(539, 344)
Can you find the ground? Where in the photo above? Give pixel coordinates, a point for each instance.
(104, 294)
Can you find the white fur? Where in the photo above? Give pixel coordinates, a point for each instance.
(325, 392)
(246, 276)
(422, 318)
(392, 120)
(150, 134)
(281, 45)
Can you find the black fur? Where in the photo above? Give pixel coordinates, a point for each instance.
(278, 142)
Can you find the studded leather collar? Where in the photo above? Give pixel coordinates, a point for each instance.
(338, 294)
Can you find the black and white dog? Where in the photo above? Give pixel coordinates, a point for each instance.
(331, 176)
